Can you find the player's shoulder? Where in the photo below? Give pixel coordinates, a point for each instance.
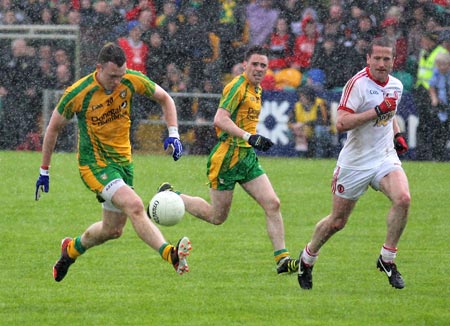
(394, 81)
(237, 84)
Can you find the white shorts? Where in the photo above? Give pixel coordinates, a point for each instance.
(108, 192)
(351, 184)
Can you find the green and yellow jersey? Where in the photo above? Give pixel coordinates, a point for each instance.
(243, 101)
(104, 118)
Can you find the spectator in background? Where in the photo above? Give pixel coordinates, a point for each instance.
(329, 56)
(205, 133)
(280, 45)
(304, 45)
(334, 23)
(261, 17)
(440, 101)
(46, 66)
(136, 51)
(233, 31)
(64, 77)
(390, 29)
(355, 57)
(427, 120)
(444, 39)
(197, 49)
(21, 101)
(134, 13)
(311, 125)
(169, 11)
(62, 11)
(176, 82)
(156, 60)
(172, 38)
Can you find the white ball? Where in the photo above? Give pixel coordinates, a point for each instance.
(166, 208)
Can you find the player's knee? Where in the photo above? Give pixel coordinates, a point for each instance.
(403, 200)
(272, 205)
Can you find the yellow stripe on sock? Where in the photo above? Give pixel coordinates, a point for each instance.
(166, 253)
(281, 256)
(72, 251)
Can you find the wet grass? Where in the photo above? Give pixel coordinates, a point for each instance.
(232, 279)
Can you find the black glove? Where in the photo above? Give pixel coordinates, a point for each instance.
(260, 142)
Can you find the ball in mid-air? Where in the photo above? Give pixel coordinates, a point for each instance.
(166, 208)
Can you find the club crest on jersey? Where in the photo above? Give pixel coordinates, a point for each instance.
(123, 94)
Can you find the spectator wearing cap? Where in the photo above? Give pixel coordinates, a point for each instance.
(134, 13)
(135, 50)
(427, 122)
(304, 45)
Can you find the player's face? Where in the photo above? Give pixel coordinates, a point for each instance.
(256, 68)
(380, 62)
(110, 75)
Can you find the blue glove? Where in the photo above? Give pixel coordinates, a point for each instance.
(175, 144)
(42, 183)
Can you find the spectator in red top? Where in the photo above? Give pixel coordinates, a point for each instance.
(305, 44)
(133, 14)
(135, 50)
(280, 45)
(389, 28)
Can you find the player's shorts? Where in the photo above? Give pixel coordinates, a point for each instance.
(105, 181)
(351, 184)
(228, 164)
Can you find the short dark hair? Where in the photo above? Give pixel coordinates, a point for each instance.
(256, 49)
(112, 52)
(382, 41)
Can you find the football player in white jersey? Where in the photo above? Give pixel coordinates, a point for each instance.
(369, 158)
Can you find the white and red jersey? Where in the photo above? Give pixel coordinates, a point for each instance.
(368, 145)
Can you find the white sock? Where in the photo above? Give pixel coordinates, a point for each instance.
(308, 257)
(388, 254)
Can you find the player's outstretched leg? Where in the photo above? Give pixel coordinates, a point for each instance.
(62, 265)
(179, 255)
(394, 276)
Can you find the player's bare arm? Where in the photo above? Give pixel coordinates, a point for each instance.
(348, 120)
(222, 120)
(168, 106)
(57, 122)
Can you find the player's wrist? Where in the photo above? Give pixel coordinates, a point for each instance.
(43, 170)
(398, 134)
(378, 110)
(246, 136)
(173, 132)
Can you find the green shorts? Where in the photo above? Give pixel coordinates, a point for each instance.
(96, 177)
(228, 164)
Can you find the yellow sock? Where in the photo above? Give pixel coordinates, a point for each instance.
(165, 251)
(280, 254)
(72, 251)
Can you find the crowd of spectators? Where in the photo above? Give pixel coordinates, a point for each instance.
(194, 45)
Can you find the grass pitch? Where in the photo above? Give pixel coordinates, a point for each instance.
(232, 279)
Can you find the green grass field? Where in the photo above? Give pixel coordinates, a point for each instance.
(232, 279)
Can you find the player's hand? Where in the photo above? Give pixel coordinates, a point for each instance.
(400, 144)
(42, 183)
(389, 104)
(175, 144)
(260, 142)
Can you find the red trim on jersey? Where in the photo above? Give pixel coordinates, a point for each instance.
(376, 81)
(349, 86)
(345, 109)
